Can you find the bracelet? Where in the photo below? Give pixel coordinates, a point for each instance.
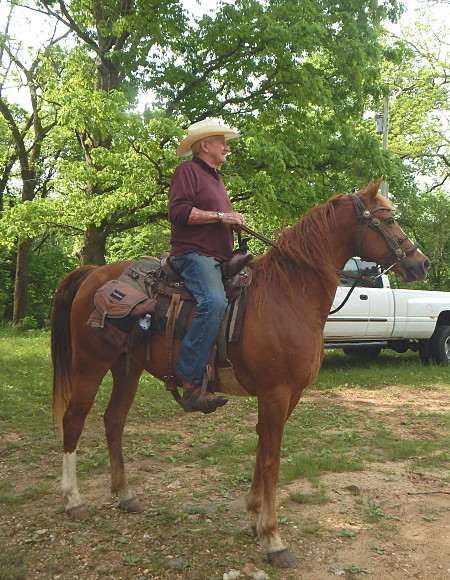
(220, 215)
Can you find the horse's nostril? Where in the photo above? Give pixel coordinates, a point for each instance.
(426, 265)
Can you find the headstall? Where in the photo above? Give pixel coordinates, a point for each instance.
(368, 220)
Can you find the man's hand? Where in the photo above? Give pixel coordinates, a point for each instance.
(235, 219)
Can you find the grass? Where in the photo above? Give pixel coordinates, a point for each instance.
(315, 498)
(342, 372)
(162, 447)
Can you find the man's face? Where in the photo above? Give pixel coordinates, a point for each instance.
(214, 152)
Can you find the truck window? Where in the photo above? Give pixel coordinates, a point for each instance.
(370, 269)
(359, 267)
(352, 267)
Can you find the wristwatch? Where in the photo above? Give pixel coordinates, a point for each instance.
(220, 216)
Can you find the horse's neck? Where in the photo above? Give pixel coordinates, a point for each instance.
(314, 278)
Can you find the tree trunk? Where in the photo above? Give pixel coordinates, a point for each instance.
(21, 281)
(93, 248)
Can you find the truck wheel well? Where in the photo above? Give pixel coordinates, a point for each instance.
(444, 318)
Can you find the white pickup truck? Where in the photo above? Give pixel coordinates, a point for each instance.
(378, 316)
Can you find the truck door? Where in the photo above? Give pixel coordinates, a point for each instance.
(352, 319)
(381, 312)
(369, 313)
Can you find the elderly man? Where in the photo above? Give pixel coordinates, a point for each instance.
(202, 223)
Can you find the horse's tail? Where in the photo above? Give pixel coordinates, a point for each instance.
(61, 341)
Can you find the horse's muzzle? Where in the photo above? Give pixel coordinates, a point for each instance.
(413, 268)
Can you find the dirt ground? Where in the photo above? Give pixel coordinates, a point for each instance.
(406, 536)
(412, 537)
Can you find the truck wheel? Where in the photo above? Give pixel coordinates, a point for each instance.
(424, 349)
(440, 345)
(362, 352)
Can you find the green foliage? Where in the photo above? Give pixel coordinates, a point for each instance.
(416, 79)
(50, 260)
(294, 77)
(132, 244)
(6, 283)
(427, 217)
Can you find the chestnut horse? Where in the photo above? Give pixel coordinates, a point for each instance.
(279, 354)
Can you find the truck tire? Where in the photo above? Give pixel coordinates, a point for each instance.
(424, 349)
(440, 345)
(362, 352)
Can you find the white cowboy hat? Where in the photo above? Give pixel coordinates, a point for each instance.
(202, 129)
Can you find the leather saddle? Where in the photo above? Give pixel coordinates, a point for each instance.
(151, 286)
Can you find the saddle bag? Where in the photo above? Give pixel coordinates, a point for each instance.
(118, 309)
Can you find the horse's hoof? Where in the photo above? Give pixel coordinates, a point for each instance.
(131, 506)
(78, 512)
(282, 559)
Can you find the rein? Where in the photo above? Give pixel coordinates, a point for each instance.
(258, 236)
(358, 278)
(349, 293)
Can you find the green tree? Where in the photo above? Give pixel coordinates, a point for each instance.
(295, 77)
(24, 137)
(417, 80)
(116, 40)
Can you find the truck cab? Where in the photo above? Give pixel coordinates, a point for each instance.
(375, 316)
(370, 311)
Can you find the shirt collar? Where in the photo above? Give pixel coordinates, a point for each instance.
(217, 174)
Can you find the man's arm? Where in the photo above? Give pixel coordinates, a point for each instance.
(199, 216)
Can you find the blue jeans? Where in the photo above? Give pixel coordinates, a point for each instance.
(203, 278)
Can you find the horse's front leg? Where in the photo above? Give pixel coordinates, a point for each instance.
(255, 494)
(126, 374)
(272, 415)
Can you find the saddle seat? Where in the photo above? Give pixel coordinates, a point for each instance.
(233, 266)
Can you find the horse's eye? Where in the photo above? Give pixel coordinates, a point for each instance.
(390, 221)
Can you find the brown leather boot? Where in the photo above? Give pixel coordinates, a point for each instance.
(196, 398)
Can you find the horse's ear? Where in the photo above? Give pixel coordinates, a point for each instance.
(379, 182)
(372, 188)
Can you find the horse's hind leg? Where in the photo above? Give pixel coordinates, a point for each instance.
(86, 381)
(126, 373)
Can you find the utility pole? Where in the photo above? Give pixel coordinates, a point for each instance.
(383, 128)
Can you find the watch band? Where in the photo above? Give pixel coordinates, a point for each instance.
(220, 216)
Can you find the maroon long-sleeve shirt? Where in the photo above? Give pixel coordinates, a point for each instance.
(196, 184)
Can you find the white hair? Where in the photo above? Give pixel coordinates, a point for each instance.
(195, 147)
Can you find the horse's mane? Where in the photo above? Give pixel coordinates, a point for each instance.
(302, 249)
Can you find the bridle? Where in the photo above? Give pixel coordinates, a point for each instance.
(367, 220)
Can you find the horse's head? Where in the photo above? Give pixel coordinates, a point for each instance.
(379, 238)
